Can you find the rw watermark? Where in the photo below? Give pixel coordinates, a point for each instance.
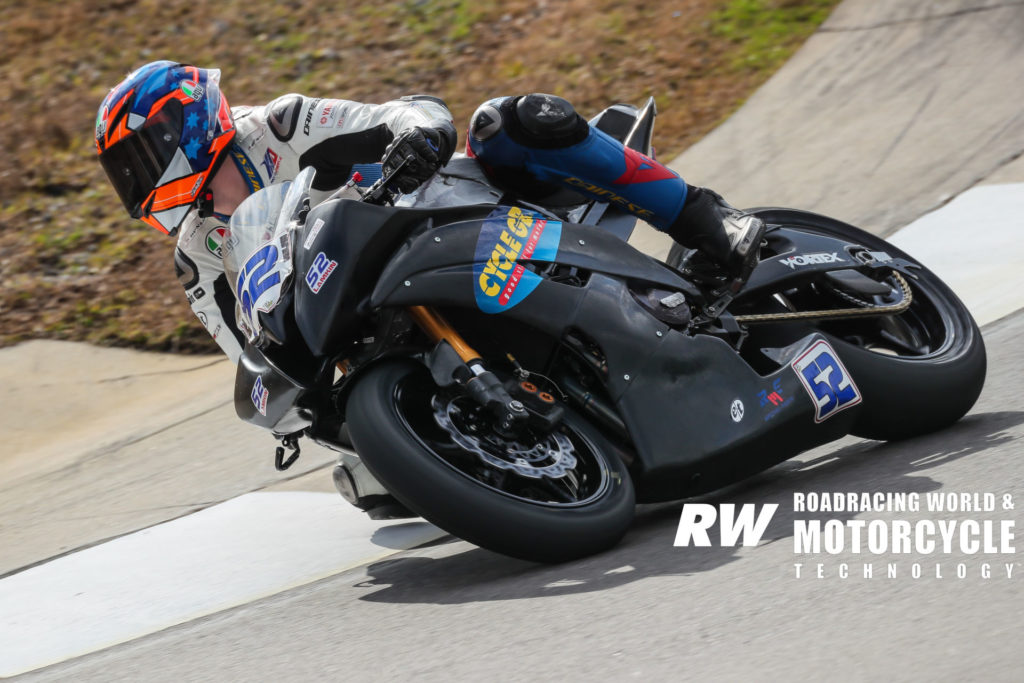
(932, 535)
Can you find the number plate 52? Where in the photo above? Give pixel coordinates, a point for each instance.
(826, 379)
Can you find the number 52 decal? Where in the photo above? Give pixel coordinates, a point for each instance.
(829, 383)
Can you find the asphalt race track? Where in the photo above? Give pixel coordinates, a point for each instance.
(648, 610)
(144, 534)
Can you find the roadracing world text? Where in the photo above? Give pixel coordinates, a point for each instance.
(945, 535)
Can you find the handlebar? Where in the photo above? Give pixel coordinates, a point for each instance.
(380, 192)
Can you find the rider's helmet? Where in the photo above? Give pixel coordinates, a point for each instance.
(161, 134)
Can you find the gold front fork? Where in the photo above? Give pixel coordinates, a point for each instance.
(438, 329)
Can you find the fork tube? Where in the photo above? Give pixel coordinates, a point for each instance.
(438, 328)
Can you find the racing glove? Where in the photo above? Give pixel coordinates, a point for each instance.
(427, 149)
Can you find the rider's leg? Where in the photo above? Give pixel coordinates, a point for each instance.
(544, 135)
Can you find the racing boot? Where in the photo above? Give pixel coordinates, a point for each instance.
(356, 485)
(727, 235)
(543, 135)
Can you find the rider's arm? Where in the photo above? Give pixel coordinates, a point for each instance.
(332, 135)
(201, 271)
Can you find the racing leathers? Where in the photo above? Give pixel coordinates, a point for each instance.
(272, 144)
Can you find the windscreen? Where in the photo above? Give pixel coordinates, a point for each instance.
(257, 249)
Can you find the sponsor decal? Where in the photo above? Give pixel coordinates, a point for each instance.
(774, 400)
(510, 234)
(609, 196)
(249, 172)
(195, 296)
(309, 115)
(826, 380)
(736, 410)
(328, 114)
(192, 89)
(313, 232)
(319, 272)
(811, 259)
(271, 162)
(259, 396)
(202, 318)
(101, 122)
(259, 281)
(215, 241)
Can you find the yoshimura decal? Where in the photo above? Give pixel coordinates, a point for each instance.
(811, 259)
(828, 383)
(508, 235)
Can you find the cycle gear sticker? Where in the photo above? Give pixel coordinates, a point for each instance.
(510, 235)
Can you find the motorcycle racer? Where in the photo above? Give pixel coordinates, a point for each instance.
(181, 160)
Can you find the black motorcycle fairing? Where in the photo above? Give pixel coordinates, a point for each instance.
(651, 366)
(699, 378)
(351, 242)
(268, 396)
(452, 251)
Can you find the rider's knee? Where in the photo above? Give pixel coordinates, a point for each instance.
(536, 120)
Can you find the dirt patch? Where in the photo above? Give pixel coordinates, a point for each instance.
(75, 267)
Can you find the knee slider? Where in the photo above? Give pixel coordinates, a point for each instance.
(548, 121)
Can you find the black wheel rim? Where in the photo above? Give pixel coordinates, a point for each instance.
(417, 400)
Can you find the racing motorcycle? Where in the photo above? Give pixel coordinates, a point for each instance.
(517, 374)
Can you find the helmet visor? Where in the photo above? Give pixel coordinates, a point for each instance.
(136, 162)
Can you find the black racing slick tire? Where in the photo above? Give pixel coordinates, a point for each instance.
(918, 385)
(395, 430)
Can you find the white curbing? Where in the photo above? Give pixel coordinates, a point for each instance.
(974, 244)
(247, 548)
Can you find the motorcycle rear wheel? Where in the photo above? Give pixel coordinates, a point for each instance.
(918, 371)
(392, 417)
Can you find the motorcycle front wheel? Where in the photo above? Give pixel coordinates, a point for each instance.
(547, 498)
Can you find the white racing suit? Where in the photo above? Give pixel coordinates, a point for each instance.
(272, 144)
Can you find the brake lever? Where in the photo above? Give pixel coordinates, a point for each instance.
(379, 192)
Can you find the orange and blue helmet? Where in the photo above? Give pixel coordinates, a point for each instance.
(161, 135)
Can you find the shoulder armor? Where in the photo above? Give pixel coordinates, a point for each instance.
(427, 98)
(283, 116)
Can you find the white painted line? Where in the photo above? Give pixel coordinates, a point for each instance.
(976, 245)
(231, 554)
